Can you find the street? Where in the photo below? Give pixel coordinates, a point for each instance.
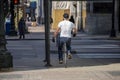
(93, 59)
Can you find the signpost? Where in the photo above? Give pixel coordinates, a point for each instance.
(47, 31)
(5, 56)
(113, 32)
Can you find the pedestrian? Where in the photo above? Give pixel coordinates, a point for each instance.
(51, 21)
(21, 28)
(64, 27)
(72, 19)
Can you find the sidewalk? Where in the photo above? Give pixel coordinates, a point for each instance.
(34, 33)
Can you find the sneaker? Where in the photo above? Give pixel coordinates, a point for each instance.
(69, 56)
(61, 61)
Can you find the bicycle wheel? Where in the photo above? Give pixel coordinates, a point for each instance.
(65, 55)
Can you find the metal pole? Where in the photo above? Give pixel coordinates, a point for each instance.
(78, 14)
(2, 32)
(113, 32)
(47, 31)
(5, 61)
(119, 15)
(17, 14)
(50, 8)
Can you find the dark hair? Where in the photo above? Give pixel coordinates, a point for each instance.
(72, 19)
(66, 15)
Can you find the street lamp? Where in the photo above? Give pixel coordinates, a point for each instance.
(5, 56)
(47, 31)
(113, 32)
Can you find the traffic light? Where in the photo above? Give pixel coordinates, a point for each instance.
(16, 2)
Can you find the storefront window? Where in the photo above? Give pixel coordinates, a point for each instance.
(102, 7)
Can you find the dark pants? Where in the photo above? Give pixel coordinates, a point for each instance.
(22, 36)
(58, 39)
(60, 46)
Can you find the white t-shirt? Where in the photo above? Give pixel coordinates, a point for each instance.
(66, 27)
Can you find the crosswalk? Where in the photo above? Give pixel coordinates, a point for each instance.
(38, 29)
(99, 55)
(96, 48)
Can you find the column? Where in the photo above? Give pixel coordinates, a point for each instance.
(47, 32)
(91, 7)
(13, 32)
(5, 56)
(113, 31)
(78, 9)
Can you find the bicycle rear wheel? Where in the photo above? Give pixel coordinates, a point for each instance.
(65, 55)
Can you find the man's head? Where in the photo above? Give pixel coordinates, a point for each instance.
(66, 15)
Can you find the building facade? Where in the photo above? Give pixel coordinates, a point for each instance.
(96, 15)
(95, 19)
(99, 18)
(74, 8)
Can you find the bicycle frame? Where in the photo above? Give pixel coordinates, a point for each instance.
(65, 54)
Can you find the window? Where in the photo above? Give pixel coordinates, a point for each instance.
(102, 7)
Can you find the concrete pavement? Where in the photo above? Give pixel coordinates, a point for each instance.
(28, 56)
(28, 65)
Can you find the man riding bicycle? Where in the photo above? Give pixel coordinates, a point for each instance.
(65, 27)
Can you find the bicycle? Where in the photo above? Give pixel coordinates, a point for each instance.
(64, 50)
(65, 54)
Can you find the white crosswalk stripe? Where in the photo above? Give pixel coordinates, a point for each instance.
(97, 48)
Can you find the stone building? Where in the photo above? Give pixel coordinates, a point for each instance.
(99, 17)
(95, 16)
(71, 7)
